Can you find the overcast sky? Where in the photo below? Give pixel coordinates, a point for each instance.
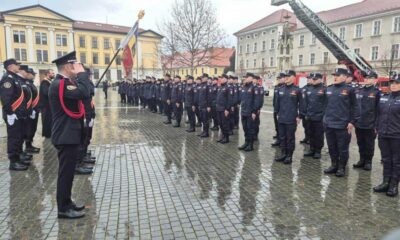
(232, 14)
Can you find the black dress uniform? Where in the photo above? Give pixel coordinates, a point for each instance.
(32, 121)
(341, 109)
(304, 121)
(223, 104)
(232, 99)
(275, 106)
(66, 97)
(368, 101)
(315, 101)
(45, 107)
(260, 103)
(176, 101)
(165, 92)
(289, 101)
(388, 128)
(189, 104)
(213, 91)
(14, 110)
(204, 105)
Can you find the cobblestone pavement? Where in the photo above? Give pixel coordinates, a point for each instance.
(152, 181)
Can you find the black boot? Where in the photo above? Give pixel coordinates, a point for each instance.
(89, 160)
(360, 163)
(309, 153)
(333, 168)
(249, 147)
(190, 130)
(368, 163)
(304, 141)
(288, 159)
(384, 186)
(15, 165)
(30, 148)
(275, 144)
(275, 137)
(176, 125)
(341, 169)
(215, 128)
(204, 135)
(225, 139)
(317, 154)
(25, 158)
(167, 122)
(282, 157)
(393, 190)
(243, 146)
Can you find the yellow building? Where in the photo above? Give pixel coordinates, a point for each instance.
(36, 35)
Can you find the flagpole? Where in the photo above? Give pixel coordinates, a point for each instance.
(137, 54)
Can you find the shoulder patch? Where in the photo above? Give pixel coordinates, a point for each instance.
(7, 85)
(71, 87)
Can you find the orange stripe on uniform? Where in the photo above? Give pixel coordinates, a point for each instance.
(36, 101)
(18, 102)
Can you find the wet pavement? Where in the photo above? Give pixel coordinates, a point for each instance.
(152, 181)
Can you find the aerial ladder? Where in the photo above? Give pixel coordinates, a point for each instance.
(328, 38)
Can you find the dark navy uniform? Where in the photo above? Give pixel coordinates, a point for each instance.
(223, 104)
(368, 101)
(165, 92)
(233, 101)
(275, 106)
(260, 102)
(315, 104)
(304, 121)
(196, 103)
(213, 91)
(203, 105)
(32, 121)
(45, 107)
(388, 128)
(341, 109)
(238, 90)
(176, 101)
(189, 104)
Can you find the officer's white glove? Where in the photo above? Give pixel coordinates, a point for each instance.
(11, 119)
(33, 115)
(91, 123)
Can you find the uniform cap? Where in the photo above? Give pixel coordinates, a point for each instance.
(67, 58)
(395, 78)
(31, 71)
(24, 68)
(290, 73)
(177, 76)
(281, 75)
(9, 62)
(340, 71)
(316, 76)
(168, 75)
(249, 75)
(205, 75)
(371, 74)
(224, 76)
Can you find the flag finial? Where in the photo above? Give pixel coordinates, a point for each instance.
(141, 14)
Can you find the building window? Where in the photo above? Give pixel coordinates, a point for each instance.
(96, 73)
(83, 58)
(248, 48)
(358, 33)
(255, 47)
(215, 71)
(357, 51)
(95, 58)
(82, 41)
(396, 24)
(254, 63)
(374, 53)
(119, 74)
(313, 39)
(264, 45)
(300, 60)
(61, 40)
(272, 44)
(117, 43)
(263, 63)
(118, 60)
(61, 53)
(42, 56)
(240, 49)
(20, 54)
(19, 36)
(326, 57)
(301, 41)
(312, 59)
(106, 43)
(108, 75)
(241, 64)
(376, 29)
(247, 63)
(94, 42)
(342, 33)
(106, 58)
(41, 38)
(395, 51)
(271, 62)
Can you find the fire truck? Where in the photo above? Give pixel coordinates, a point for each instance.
(332, 42)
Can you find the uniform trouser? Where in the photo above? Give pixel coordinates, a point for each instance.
(15, 138)
(231, 119)
(287, 137)
(30, 128)
(306, 128)
(178, 111)
(204, 120)
(123, 97)
(130, 99)
(276, 123)
(87, 137)
(198, 116)
(338, 144)
(390, 152)
(366, 143)
(141, 100)
(249, 128)
(192, 117)
(105, 93)
(223, 123)
(257, 123)
(316, 129)
(136, 100)
(236, 115)
(67, 156)
(46, 122)
(167, 110)
(214, 116)
(160, 106)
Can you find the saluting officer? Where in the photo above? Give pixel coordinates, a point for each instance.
(281, 82)
(223, 109)
(176, 100)
(288, 106)
(388, 128)
(189, 103)
(368, 100)
(166, 97)
(259, 104)
(341, 114)
(204, 106)
(249, 108)
(32, 121)
(315, 101)
(12, 96)
(70, 87)
(45, 104)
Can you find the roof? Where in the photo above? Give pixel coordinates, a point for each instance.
(356, 10)
(216, 57)
(32, 6)
(274, 18)
(102, 27)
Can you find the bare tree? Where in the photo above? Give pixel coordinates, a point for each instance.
(390, 60)
(191, 33)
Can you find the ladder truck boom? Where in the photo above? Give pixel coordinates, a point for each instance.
(327, 37)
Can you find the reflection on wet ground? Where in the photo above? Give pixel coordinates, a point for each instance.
(152, 181)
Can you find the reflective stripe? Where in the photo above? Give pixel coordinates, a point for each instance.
(66, 110)
(36, 101)
(29, 103)
(18, 102)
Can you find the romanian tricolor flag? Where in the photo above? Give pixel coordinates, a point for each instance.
(129, 48)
